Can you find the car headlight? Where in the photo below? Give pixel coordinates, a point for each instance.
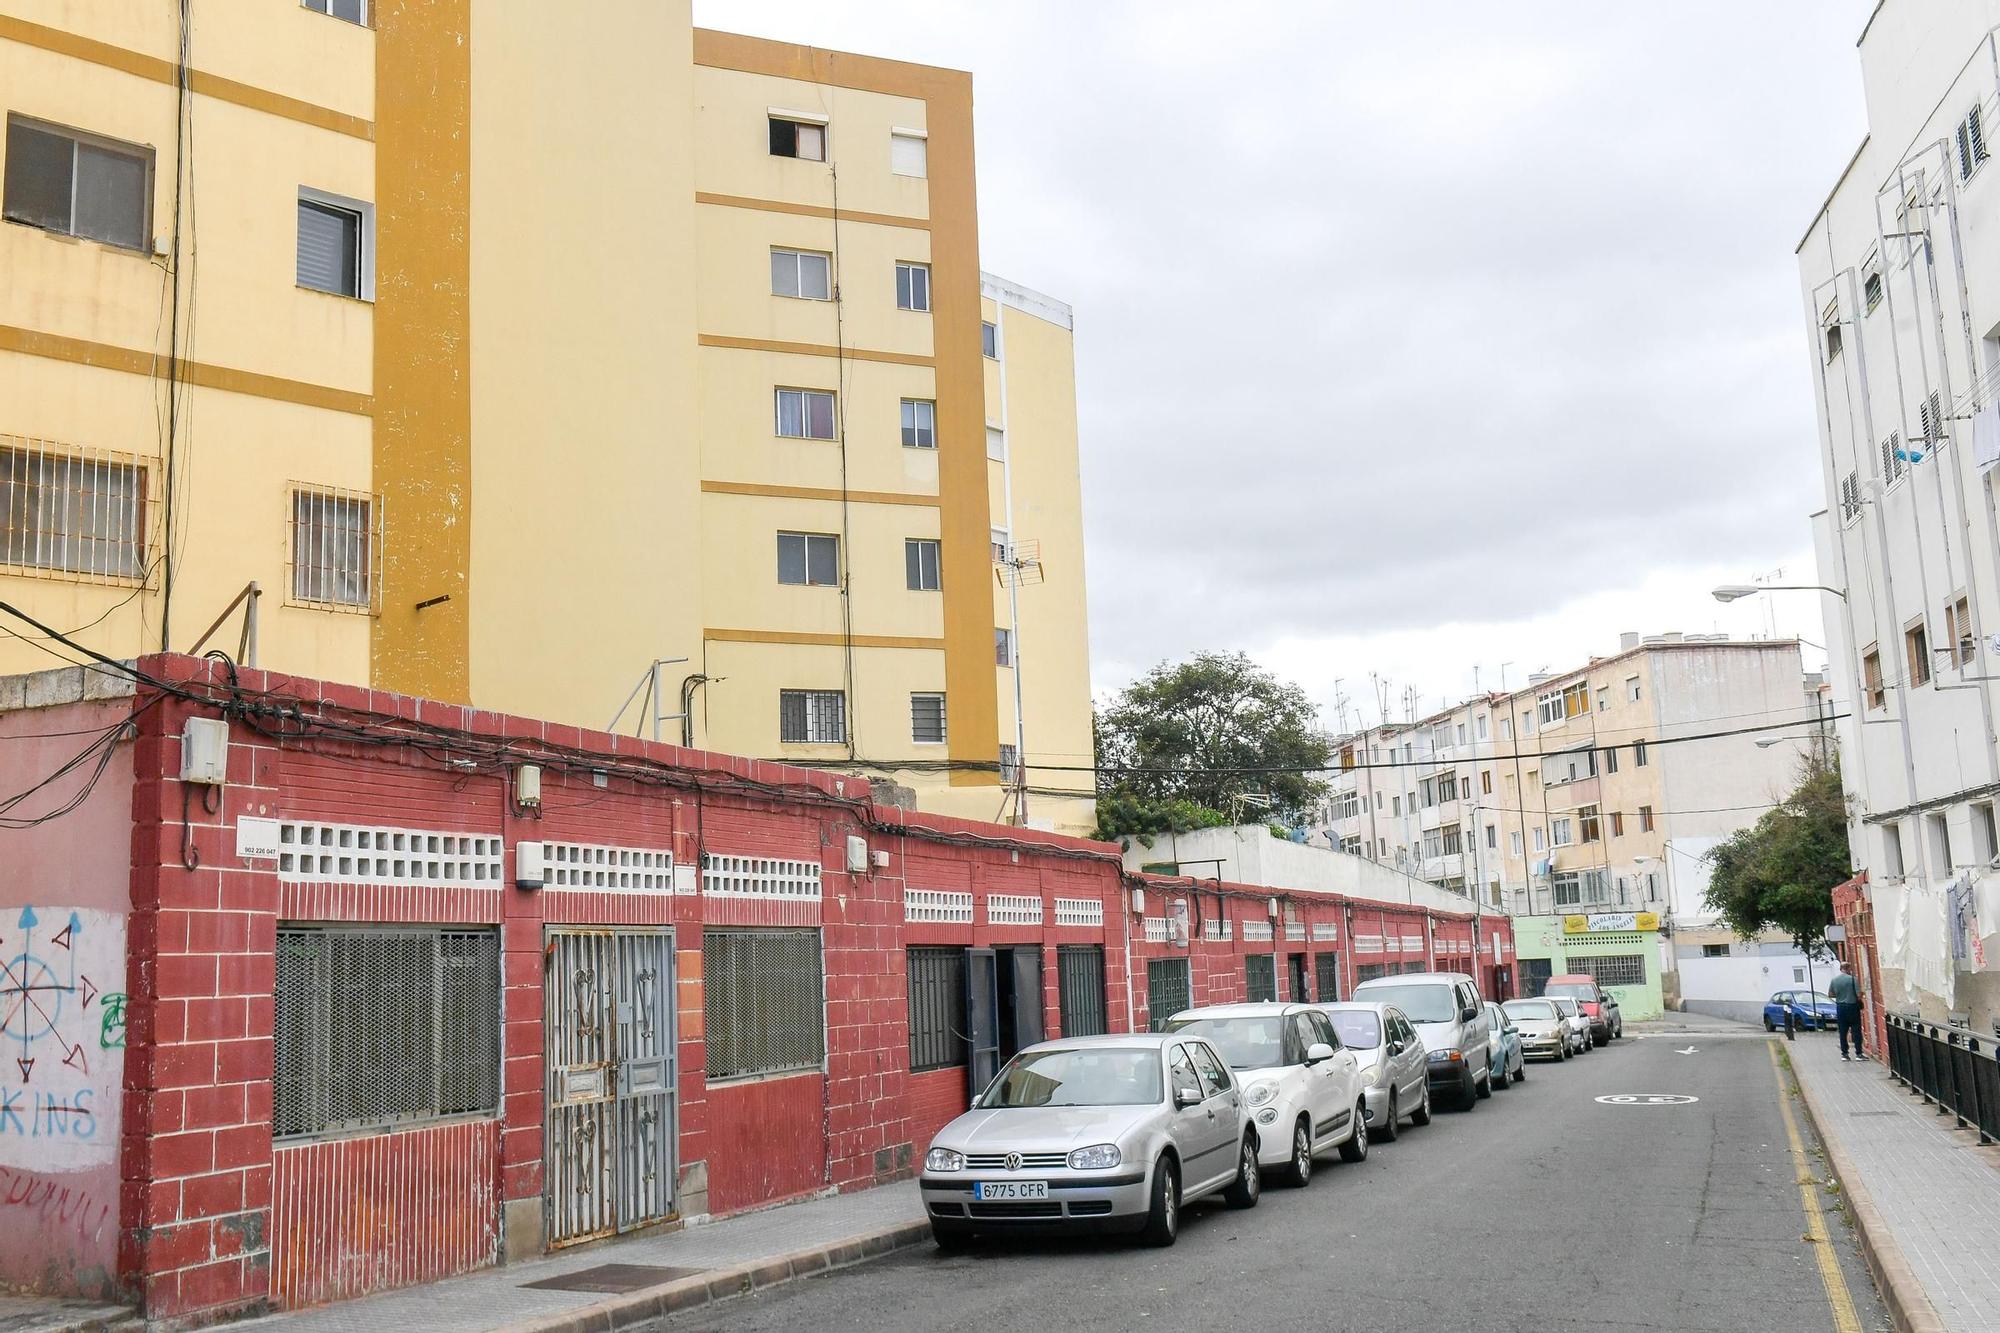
(1371, 1078)
(1097, 1157)
(1267, 1116)
(1439, 1057)
(944, 1159)
(1259, 1093)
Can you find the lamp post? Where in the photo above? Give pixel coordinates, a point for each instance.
(1730, 592)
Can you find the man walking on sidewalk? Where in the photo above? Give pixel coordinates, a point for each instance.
(1846, 993)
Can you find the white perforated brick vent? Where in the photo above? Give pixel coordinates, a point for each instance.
(1325, 930)
(356, 854)
(1158, 929)
(1079, 911)
(1368, 944)
(585, 865)
(1219, 930)
(937, 905)
(1413, 944)
(1256, 930)
(1295, 930)
(1013, 909)
(760, 877)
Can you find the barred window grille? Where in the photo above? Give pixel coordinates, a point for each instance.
(927, 719)
(378, 1026)
(812, 717)
(1167, 989)
(1080, 987)
(1618, 969)
(1370, 971)
(1326, 977)
(764, 1001)
(336, 548)
(1260, 976)
(72, 512)
(937, 1008)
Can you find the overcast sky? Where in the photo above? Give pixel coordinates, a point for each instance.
(1410, 339)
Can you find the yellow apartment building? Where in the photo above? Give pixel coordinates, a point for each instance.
(506, 361)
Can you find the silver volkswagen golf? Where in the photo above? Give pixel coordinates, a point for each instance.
(1111, 1133)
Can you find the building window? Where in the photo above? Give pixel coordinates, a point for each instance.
(1588, 825)
(1541, 838)
(1971, 137)
(809, 559)
(354, 11)
(805, 274)
(812, 717)
(1892, 851)
(1603, 698)
(919, 423)
(1549, 707)
(1871, 290)
(380, 1026)
(336, 548)
(937, 1008)
(1562, 829)
(989, 340)
(1003, 647)
(78, 184)
(1871, 678)
(798, 138)
(805, 414)
(1958, 641)
(1010, 764)
(1610, 759)
(763, 1006)
(335, 244)
(1715, 951)
(920, 564)
(1480, 725)
(1638, 754)
(1000, 551)
(1617, 823)
(1985, 842)
(1917, 653)
(1528, 722)
(913, 286)
(1167, 989)
(1514, 845)
(909, 154)
(1939, 825)
(1506, 728)
(1493, 837)
(1618, 969)
(927, 719)
(1831, 333)
(996, 444)
(76, 513)
(1485, 782)
(1260, 977)
(1645, 819)
(1396, 805)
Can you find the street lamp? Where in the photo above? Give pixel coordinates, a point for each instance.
(1730, 592)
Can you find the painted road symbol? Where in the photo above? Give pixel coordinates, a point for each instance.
(1647, 1099)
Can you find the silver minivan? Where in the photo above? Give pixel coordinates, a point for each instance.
(1445, 1009)
(1394, 1080)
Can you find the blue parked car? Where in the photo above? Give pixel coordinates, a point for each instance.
(1810, 1009)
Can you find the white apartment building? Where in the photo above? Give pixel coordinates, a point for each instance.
(1599, 788)
(1900, 271)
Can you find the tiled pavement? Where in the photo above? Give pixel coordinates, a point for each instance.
(1938, 1191)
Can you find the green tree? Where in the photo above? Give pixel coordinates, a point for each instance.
(1206, 732)
(1781, 871)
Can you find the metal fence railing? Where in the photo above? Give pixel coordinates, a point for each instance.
(1954, 1070)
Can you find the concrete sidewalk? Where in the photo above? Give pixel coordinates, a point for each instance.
(1925, 1197)
(730, 1256)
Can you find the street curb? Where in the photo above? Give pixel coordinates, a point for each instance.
(717, 1284)
(1910, 1310)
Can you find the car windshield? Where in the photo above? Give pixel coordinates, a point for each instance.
(1422, 1002)
(1530, 1009)
(1095, 1076)
(1566, 1007)
(1357, 1028)
(1812, 997)
(1575, 990)
(1250, 1042)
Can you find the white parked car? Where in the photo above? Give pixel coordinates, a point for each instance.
(1575, 1021)
(1303, 1089)
(1544, 1033)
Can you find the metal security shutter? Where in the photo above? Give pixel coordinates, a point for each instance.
(1080, 985)
(329, 248)
(1326, 977)
(763, 1001)
(1167, 989)
(937, 1008)
(1260, 975)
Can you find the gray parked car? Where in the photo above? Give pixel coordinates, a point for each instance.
(1444, 1007)
(1509, 1061)
(1094, 1134)
(1391, 1057)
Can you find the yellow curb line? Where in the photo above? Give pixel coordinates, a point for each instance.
(1830, 1276)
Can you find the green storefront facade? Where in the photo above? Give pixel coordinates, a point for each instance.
(1620, 949)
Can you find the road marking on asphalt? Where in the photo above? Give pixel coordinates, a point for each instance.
(1646, 1099)
(1830, 1276)
(1689, 1051)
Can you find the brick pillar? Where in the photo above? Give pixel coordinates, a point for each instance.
(196, 1149)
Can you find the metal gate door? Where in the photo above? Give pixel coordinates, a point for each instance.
(609, 1162)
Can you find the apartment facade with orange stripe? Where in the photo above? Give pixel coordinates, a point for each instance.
(507, 361)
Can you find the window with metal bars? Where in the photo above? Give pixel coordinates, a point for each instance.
(72, 512)
(937, 1008)
(1260, 977)
(1618, 969)
(1167, 990)
(927, 723)
(379, 1026)
(1370, 971)
(812, 717)
(336, 546)
(763, 1004)
(1326, 977)
(1080, 989)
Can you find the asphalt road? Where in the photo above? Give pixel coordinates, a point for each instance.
(1542, 1209)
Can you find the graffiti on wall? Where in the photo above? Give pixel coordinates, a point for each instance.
(62, 1033)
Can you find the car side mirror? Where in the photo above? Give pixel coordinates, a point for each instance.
(1467, 1014)
(1187, 1097)
(1317, 1052)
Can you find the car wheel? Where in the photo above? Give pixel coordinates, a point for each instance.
(1468, 1092)
(1521, 1074)
(1163, 1221)
(1484, 1088)
(1300, 1169)
(1422, 1115)
(1249, 1183)
(1499, 1080)
(1389, 1127)
(950, 1238)
(1562, 1051)
(1769, 1026)
(1356, 1147)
